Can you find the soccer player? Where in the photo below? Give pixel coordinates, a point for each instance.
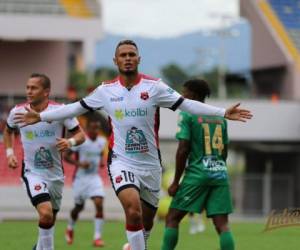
(203, 141)
(87, 182)
(42, 170)
(132, 101)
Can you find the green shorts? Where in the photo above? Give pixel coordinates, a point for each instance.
(216, 200)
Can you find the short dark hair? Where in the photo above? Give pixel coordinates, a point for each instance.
(45, 80)
(126, 42)
(198, 86)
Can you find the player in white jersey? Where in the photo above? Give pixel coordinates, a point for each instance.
(87, 183)
(132, 102)
(42, 170)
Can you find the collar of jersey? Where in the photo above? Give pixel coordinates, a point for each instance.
(49, 102)
(136, 81)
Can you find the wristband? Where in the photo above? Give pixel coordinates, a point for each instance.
(9, 152)
(72, 142)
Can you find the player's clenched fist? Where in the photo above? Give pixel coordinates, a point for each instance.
(12, 161)
(173, 189)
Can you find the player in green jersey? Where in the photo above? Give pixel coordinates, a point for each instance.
(203, 141)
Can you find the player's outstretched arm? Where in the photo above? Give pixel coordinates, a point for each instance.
(64, 112)
(198, 108)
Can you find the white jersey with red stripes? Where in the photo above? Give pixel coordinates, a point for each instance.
(90, 151)
(134, 116)
(41, 156)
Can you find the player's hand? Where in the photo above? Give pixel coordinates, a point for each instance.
(84, 164)
(62, 144)
(27, 118)
(237, 114)
(12, 161)
(173, 189)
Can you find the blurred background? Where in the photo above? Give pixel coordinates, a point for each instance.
(248, 50)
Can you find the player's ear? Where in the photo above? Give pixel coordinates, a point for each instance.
(139, 60)
(115, 61)
(47, 92)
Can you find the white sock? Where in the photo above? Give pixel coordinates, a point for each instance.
(71, 224)
(98, 222)
(46, 241)
(193, 222)
(136, 239)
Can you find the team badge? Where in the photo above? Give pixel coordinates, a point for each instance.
(144, 96)
(37, 187)
(118, 179)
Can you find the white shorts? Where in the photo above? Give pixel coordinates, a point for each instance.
(85, 187)
(147, 182)
(40, 190)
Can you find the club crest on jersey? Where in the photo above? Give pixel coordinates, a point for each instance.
(37, 187)
(144, 96)
(118, 179)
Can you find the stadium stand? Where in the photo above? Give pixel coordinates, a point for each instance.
(288, 23)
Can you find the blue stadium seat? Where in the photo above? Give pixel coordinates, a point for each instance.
(288, 11)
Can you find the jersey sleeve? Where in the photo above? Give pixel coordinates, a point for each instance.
(71, 123)
(10, 119)
(94, 101)
(184, 126)
(167, 97)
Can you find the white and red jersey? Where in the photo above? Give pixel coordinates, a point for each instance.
(134, 116)
(90, 151)
(41, 156)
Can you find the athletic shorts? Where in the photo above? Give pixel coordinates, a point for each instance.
(85, 187)
(147, 182)
(40, 190)
(216, 200)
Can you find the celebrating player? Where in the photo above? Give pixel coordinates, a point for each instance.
(132, 101)
(42, 171)
(87, 182)
(203, 141)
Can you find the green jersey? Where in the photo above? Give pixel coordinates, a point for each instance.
(208, 139)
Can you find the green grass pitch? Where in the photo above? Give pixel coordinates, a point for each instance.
(16, 235)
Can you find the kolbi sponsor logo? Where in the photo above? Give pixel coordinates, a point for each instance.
(31, 135)
(138, 112)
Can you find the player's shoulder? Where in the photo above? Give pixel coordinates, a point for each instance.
(54, 105)
(110, 83)
(19, 107)
(149, 79)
